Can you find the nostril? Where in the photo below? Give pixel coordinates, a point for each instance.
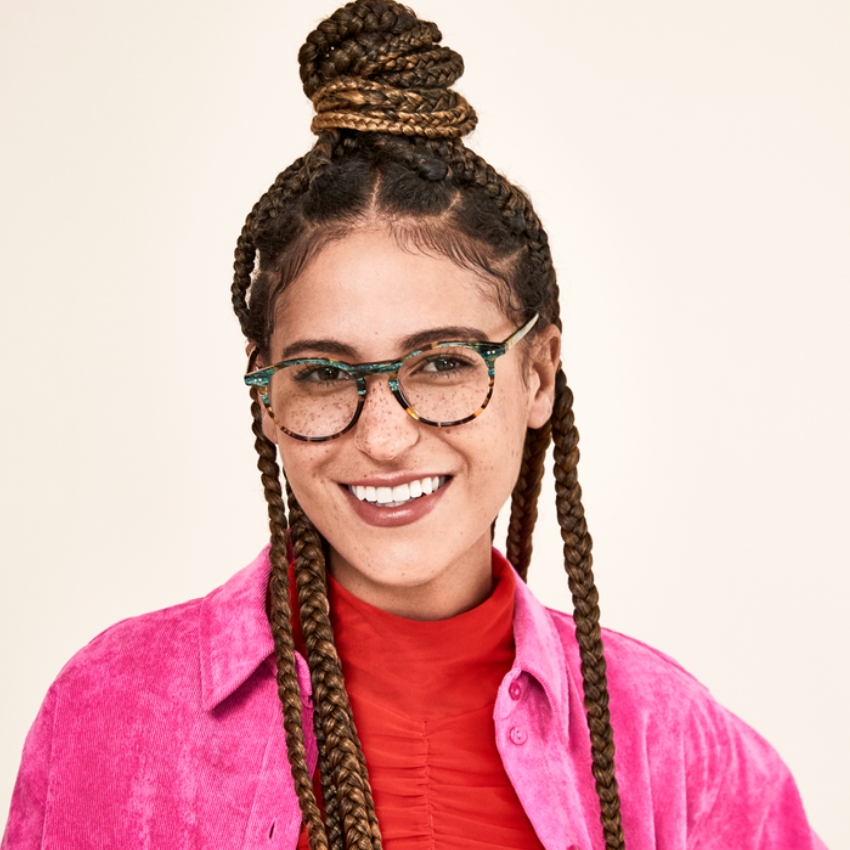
(271, 830)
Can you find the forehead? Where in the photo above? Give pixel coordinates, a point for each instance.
(366, 289)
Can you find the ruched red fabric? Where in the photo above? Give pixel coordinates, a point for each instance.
(423, 695)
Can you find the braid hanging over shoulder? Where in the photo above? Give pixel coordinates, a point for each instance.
(390, 128)
(280, 618)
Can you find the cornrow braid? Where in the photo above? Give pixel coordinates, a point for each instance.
(519, 215)
(288, 184)
(389, 148)
(578, 563)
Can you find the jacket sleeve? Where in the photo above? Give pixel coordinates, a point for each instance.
(25, 826)
(747, 798)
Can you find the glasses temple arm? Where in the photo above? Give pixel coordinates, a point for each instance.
(514, 338)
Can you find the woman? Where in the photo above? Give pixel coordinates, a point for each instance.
(404, 340)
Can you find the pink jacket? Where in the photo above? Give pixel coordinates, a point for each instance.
(165, 732)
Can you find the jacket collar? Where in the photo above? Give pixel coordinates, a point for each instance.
(235, 639)
(235, 636)
(540, 651)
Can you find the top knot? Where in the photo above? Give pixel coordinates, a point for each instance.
(374, 66)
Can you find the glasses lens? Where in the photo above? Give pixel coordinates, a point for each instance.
(445, 384)
(313, 398)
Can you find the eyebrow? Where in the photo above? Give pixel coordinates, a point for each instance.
(333, 348)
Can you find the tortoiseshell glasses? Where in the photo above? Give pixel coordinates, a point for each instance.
(442, 384)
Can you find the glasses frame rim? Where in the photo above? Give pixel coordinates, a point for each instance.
(259, 379)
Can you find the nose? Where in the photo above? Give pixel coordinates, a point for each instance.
(384, 430)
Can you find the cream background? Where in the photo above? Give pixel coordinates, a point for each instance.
(690, 162)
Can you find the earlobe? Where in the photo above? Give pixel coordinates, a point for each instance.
(544, 367)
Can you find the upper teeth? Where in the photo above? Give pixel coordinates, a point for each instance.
(393, 496)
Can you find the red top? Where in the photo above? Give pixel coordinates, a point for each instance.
(423, 695)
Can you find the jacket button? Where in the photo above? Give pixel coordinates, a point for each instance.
(515, 690)
(518, 735)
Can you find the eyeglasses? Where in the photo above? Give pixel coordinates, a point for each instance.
(443, 384)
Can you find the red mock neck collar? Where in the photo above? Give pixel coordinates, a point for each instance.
(426, 669)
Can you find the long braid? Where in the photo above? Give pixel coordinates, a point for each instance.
(349, 808)
(310, 594)
(280, 617)
(578, 563)
(524, 498)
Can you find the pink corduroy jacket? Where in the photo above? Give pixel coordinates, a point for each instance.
(165, 732)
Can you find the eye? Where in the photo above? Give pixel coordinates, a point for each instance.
(324, 373)
(442, 363)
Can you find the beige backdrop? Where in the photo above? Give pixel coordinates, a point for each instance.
(691, 163)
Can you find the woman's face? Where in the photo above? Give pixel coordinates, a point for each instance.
(427, 558)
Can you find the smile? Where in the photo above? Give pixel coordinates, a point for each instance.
(393, 497)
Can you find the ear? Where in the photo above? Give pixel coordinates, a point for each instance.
(545, 358)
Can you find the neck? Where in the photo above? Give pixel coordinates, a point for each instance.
(440, 594)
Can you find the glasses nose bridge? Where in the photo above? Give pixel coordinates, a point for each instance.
(390, 368)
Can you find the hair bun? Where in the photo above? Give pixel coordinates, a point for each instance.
(374, 66)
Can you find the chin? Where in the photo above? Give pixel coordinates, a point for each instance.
(394, 561)
(395, 565)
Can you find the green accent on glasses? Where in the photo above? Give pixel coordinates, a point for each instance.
(442, 384)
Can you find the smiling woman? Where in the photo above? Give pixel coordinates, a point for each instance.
(368, 296)
(381, 675)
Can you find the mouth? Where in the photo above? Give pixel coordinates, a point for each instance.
(401, 494)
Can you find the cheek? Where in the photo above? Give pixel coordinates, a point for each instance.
(508, 441)
(510, 457)
(511, 403)
(302, 464)
(498, 443)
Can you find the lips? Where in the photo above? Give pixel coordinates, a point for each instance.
(400, 494)
(397, 510)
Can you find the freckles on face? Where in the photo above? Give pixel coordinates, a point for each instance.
(364, 299)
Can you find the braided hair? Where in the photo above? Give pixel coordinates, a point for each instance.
(389, 149)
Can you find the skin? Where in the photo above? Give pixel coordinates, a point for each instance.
(366, 292)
